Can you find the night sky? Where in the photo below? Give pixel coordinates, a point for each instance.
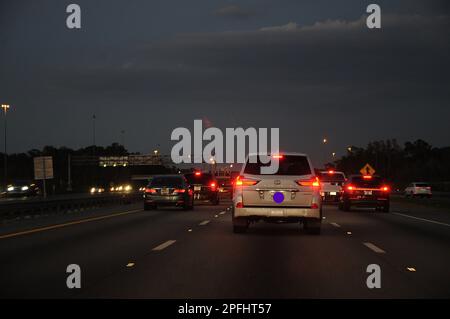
(311, 68)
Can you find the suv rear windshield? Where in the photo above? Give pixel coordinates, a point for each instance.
(167, 181)
(290, 165)
(330, 178)
(374, 182)
(203, 179)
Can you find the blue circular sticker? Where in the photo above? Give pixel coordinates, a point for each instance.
(278, 197)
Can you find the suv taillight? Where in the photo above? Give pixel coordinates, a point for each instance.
(241, 181)
(150, 191)
(313, 182)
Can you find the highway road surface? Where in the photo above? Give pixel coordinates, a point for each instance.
(125, 252)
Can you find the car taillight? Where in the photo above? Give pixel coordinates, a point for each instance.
(385, 189)
(313, 182)
(213, 186)
(241, 181)
(179, 191)
(367, 176)
(350, 188)
(150, 191)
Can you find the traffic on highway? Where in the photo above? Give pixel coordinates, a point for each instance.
(234, 159)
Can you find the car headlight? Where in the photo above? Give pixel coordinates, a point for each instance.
(93, 190)
(128, 188)
(10, 188)
(25, 188)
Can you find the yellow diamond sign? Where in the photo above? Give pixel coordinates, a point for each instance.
(367, 170)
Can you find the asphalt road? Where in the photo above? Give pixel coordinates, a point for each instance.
(125, 252)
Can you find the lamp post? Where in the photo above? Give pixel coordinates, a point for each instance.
(5, 108)
(325, 142)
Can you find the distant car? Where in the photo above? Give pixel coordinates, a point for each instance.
(365, 191)
(168, 190)
(418, 190)
(290, 195)
(205, 187)
(22, 189)
(121, 189)
(96, 190)
(332, 182)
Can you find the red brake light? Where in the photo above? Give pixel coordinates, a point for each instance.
(350, 187)
(331, 172)
(150, 191)
(241, 181)
(213, 186)
(179, 191)
(367, 176)
(198, 174)
(385, 188)
(278, 156)
(314, 182)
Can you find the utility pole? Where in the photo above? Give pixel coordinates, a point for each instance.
(69, 173)
(5, 108)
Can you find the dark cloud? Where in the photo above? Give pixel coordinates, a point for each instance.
(233, 11)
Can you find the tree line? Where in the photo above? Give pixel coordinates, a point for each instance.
(416, 161)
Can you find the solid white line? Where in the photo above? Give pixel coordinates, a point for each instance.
(206, 222)
(222, 213)
(165, 245)
(423, 219)
(375, 248)
(336, 225)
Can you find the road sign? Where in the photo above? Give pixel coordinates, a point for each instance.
(43, 167)
(367, 170)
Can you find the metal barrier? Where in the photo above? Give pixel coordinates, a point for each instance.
(14, 209)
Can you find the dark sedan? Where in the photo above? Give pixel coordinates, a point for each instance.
(22, 189)
(168, 190)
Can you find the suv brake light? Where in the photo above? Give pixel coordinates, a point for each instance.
(241, 181)
(179, 191)
(385, 188)
(150, 191)
(313, 182)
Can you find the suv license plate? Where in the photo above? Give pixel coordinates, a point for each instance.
(367, 192)
(197, 188)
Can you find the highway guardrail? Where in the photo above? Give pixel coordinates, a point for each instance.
(14, 209)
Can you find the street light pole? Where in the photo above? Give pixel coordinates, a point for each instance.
(5, 108)
(325, 142)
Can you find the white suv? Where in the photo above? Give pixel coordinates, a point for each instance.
(290, 195)
(418, 190)
(332, 182)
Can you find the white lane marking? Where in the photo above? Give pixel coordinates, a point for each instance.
(336, 225)
(165, 245)
(374, 248)
(222, 213)
(422, 219)
(206, 222)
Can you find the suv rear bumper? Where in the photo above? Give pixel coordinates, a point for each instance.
(278, 212)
